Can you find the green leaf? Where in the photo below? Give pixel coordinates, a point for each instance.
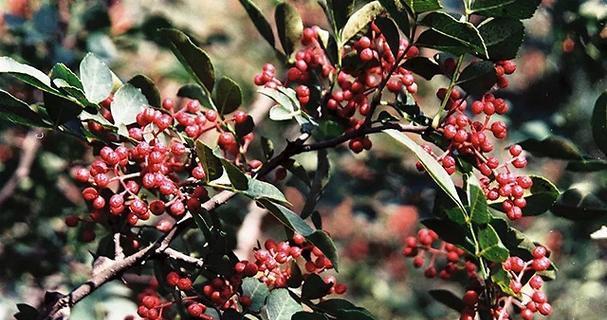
(435, 169)
(260, 22)
(553, 147)
(60, 71)
(288, 218)
(287, 104)
(478, 78)
(448, 231)
(503, 37)
(332, 306)
(71, 91)
(262, 190)
(502, 279)
(210, 163)
(518, 9)
(128, 102)
(448, 298)
(491, 245)
(61, 110)
(390, 31)
(27, 74)
(487, 237)
(599, 122)
(478, 206)
(314, 287)
(398, 12)
(495, 253)
(281, 305)
(423, 66)
(448, 34)
(359, 20)
(420, 6)
(196, 92)
(148, 88)
(288, 25)
(238, 179)
(227, 95)
(456, 215)
(96, 78)
(194, 59)
(322, 240)
(257, 291)
(17, 111)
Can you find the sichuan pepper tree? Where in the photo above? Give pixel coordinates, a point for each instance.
(164, 165)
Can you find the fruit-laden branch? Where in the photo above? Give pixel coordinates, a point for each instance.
(60, 308)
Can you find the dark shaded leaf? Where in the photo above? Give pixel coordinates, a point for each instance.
(238, 179)
(477, 78)
(599, 122)
(553, 147)
(448, 298)
(399, 13)
(303, 315)
(26, 312)
(314, 287)
(194, 59)
(448, 231)
(519, 9)
(61, 110)
(580, 205)
(390, 31)
(196, 92)
(322, 240)
(227, 95)
(148, 89)
(17, 111)
(542, 196)
(503, 37)
(288, 25)
(242, 129)
(260, 22)
(210, 163)
(423, 66)
(448, 34)
(587, 165)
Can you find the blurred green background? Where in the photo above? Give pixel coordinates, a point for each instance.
(373, 201)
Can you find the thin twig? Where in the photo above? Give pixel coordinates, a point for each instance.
(29, 147)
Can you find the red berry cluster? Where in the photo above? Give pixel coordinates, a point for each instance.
(372, 62)
(150, 306)
(273, 261)
(470, 138)
(427, 243)
(224, 294)
(155, 172)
